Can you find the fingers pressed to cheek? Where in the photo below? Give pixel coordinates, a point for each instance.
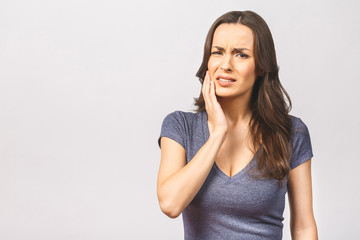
(204, 82)
(208, 98)
(212, 89)
(205, 92)
(205, 85)
(208, 83)
(207, 77)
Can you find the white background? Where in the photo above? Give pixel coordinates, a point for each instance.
(85, 85)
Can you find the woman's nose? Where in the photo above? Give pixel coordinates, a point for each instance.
(226, 65)
(226, 68)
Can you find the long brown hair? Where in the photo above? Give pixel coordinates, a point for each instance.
(270, 123)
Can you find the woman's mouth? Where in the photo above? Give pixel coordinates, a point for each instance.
(225, 81)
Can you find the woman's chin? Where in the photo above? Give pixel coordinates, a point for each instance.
(223, 93)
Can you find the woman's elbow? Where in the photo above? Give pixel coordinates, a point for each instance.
(304, 230)
(169, 209)
(171, 214)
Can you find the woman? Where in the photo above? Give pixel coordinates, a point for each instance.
(228, 166)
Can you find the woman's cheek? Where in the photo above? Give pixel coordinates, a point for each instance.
(212, 66)
(247, 69)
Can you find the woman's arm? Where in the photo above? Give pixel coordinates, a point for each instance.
(302, 221)
(178, 182)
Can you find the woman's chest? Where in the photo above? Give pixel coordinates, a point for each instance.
(240, 194)
(234, 155)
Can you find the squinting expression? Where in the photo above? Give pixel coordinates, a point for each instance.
(232, 64)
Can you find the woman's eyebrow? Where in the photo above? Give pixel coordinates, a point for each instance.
(234, 50)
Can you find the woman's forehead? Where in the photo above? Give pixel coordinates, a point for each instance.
(234, 36)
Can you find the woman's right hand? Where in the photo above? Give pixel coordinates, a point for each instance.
(178, 180)
(216, 117)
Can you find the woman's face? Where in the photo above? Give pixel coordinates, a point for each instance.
(232, 64)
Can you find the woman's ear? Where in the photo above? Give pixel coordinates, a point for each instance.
(260, 72)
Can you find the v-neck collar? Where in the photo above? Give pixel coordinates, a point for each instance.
(243, 171)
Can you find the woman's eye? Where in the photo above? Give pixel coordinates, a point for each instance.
(216, 52)
(242, 55)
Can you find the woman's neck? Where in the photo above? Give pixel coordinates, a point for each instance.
(237, 110)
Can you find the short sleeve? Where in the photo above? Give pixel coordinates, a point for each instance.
(173, 127)
(302, 149)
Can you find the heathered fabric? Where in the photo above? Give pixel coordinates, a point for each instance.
(237, 207)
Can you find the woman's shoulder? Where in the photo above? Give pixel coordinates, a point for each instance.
(301, 142)
(184, 116)
(299, 129)
(297, 123)
(182, 126)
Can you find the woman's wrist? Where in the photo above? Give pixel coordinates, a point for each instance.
(218, 134)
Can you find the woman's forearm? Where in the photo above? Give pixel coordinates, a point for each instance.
(178, 190)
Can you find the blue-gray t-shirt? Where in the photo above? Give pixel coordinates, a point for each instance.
(237, 207)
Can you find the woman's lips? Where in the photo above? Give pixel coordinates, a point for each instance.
(225, 84)
(225, 81)
(225, 77)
